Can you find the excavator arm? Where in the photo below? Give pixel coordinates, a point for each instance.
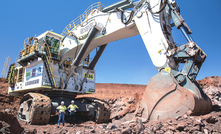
(170, 93)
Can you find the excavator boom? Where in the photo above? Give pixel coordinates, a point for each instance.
(57, 67)
(171, 92)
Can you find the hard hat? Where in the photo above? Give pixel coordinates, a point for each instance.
(62, 102)
(72, 101)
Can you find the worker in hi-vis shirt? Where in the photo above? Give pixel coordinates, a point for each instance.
(61, 109)
(72, 109)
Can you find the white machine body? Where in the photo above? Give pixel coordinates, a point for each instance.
(39, 73)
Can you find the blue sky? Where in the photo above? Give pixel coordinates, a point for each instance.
(123, 61)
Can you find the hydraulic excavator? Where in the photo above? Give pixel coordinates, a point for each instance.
(56, 67)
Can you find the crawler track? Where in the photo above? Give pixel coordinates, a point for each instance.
(101, 109)
(35, 108)
(103, 112)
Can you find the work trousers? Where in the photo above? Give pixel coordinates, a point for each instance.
(72, 118)
(61, 117)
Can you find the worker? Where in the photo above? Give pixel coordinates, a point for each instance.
(72, 109)
(61, 109)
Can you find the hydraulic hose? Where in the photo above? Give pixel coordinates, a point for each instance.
(161, 9)
(130, 18)
(132, 13)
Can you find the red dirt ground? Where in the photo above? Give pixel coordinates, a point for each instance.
(115, 94)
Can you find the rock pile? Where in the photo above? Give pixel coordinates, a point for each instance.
(4, 128)
(122, 106)
(8, 102)
(212, 87)
(206, 124)
(9, 123)
(214, 94)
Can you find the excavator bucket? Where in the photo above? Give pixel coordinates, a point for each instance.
(163, 98)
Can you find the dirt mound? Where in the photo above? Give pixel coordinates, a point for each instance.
(212, 87)
(214, 81)
(6, 101)
(106, 91)
(3, 86)
(9, 123)
(8, 110)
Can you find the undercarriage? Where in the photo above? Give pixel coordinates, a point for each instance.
(36, 108)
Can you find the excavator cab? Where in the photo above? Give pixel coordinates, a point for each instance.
(53, 45)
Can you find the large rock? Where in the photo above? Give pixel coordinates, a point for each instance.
(15, 127)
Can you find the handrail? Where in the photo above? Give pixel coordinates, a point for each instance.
(34, 46)
(29, 49)
(42, 47)
(80, 19)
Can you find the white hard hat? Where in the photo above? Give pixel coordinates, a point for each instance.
(62, 102)
(72, 101)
